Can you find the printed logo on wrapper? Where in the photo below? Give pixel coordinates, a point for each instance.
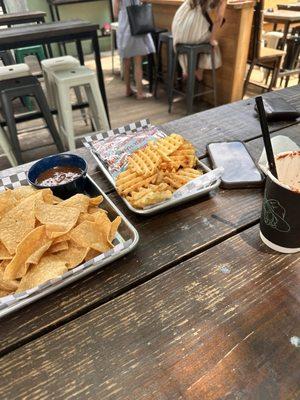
(114, 151)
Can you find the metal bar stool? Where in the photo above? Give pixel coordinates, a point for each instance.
(24, 52)
(17, 71)
(6, 57)
(192, 51)
(76, 77)
(25, 86)
(60, 64)
(166, 38)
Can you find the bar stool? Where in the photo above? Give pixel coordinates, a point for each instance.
(64, 81)
(192, 52)
(17, 71)
(6, 147)
(60, 64)
(272, 38)
(114, 27)
(6, 57)
(24, 52)
(25, 86)
(166, 38)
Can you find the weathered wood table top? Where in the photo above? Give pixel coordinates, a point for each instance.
(22, 17)
(200, 310)
(289, 6)
(44, 33)
(282, 16)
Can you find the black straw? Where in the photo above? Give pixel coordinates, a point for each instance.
(266, 135)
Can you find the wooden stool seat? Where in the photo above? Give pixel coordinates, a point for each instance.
(268, 52)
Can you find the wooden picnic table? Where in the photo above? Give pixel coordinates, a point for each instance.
(285, 17)
(55, 32)
(25, 17)
(200, 310)
(55, 14)
(289, 6)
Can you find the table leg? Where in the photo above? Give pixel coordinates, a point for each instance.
(80, 52)
(100, 72)
(285, 33)
(60, 44)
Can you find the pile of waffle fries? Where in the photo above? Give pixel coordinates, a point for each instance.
(155, 172)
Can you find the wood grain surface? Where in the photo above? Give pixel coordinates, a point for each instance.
(200, 310)
(21, 17)
(217, 326)
(235, 121)
(186, 230)
(49, 30)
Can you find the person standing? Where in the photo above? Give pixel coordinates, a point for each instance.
(131, 47)
(192, 25)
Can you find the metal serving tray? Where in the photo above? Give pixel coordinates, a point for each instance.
(166, 204)
(126, 240)
(132, 128)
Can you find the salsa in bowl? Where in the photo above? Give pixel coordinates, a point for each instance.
(64, 174)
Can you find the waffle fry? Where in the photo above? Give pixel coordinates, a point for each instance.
(128, 182)
(145, 161)
(151, 195)
(168, 145)
(156, 171)
(181, 177)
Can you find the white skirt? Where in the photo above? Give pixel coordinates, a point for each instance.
(190, 26)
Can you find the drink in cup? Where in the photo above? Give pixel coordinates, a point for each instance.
(280, 218)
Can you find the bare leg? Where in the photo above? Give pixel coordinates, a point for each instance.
(138, 75)
(129, 91)
(199, 74)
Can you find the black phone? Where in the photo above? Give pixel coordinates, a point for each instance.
(240, 171)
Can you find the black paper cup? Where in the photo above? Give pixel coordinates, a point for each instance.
(280, 218)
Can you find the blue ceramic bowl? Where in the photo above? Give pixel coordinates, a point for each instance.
(65, 190)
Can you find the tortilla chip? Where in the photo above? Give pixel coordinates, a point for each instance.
(93, 209)
(95, 201)
(91, 254)
(60, 246)
(57, 218)
(10, 285)
(7, 201)
(4, 253)
(17, 223)
(29, 251)
(90, 217)
(114, 228)
(23, 192)
(4, 293)
(56, 200)
(62, 238)
(79, 201)
(74, 256)
(49, 267)
(93, 235)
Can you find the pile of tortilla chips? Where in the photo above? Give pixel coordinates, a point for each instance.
(42, 236)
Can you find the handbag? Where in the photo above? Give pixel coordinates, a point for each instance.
(140, 18)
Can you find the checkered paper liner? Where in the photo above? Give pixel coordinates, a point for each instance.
(124, 130)
(186, 191)
(20, 179)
